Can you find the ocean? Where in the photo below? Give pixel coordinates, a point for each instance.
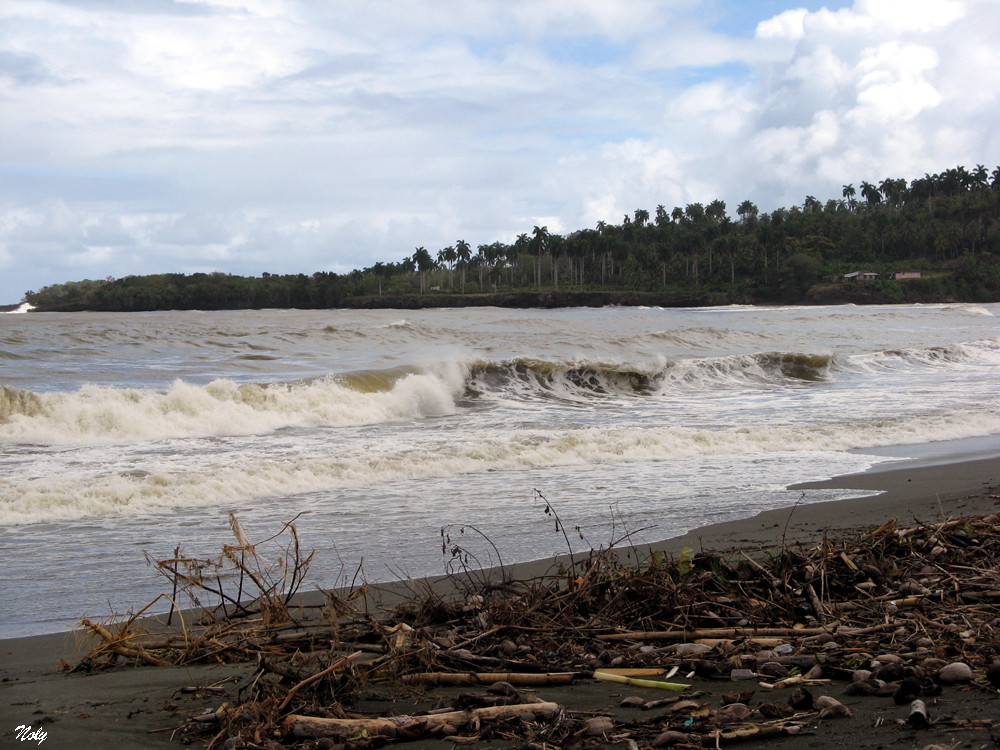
(124, 436)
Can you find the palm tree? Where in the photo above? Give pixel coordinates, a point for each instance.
(446, 259)
(486, 258)
(462, 254)
(641, 216)
(893, 191)
(381, 271)
(556, 244)
(716, 211)
(849, 193)
(965, 179)
(747, 211)
(540, 239)
(424, 263)
(981, 176)
(870, 193)
(695, 212)
(521, 246)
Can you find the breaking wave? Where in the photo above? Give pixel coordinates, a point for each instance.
(120, 415)
(21, 309)
(104, 415)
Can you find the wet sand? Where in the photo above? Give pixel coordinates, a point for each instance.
(139, 707)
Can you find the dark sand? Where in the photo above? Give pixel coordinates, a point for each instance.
(138, 707)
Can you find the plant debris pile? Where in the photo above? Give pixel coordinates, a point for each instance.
(898, 614)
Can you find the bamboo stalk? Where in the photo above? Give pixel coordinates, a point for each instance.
(638, 682)
(635, 671)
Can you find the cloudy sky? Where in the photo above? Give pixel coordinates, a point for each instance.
(294, 136)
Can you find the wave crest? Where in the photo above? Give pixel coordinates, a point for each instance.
(16, 401)
(222, 407)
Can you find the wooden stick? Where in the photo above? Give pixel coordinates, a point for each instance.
(634, 671)
(755, 732)
(409, 727)
(814, 602)
(319, 675)
(693, 635)
(487, 678)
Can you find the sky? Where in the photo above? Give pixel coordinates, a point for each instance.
(295, 136)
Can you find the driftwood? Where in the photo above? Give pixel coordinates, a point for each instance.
(915, 609)
(752, 732)
(732, 633)
(519, 679)
(412, 727)
(708, 633)
(634, 671)
(918, 718)
(119, 645)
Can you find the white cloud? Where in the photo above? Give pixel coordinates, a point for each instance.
(911, 15)
(787, 25)
(718, 108)
(892, 84)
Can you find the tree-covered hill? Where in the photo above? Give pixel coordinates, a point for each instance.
(946, 226)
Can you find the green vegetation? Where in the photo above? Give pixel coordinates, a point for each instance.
(946, 226)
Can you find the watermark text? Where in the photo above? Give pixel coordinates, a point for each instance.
(25, 733)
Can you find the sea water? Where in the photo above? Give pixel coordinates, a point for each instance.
(124, 436)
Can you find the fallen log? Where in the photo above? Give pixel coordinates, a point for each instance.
(411, 727)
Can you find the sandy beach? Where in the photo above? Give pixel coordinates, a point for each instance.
(131, 707)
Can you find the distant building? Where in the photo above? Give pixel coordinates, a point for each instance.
(857, 276)
(905, 275)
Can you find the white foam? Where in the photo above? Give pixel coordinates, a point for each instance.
(96, 415)
(25, 307)
(974, 310)
(208, 478)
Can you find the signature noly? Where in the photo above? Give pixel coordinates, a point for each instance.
(25, 733)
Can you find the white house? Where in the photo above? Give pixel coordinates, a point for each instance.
(856, 276)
